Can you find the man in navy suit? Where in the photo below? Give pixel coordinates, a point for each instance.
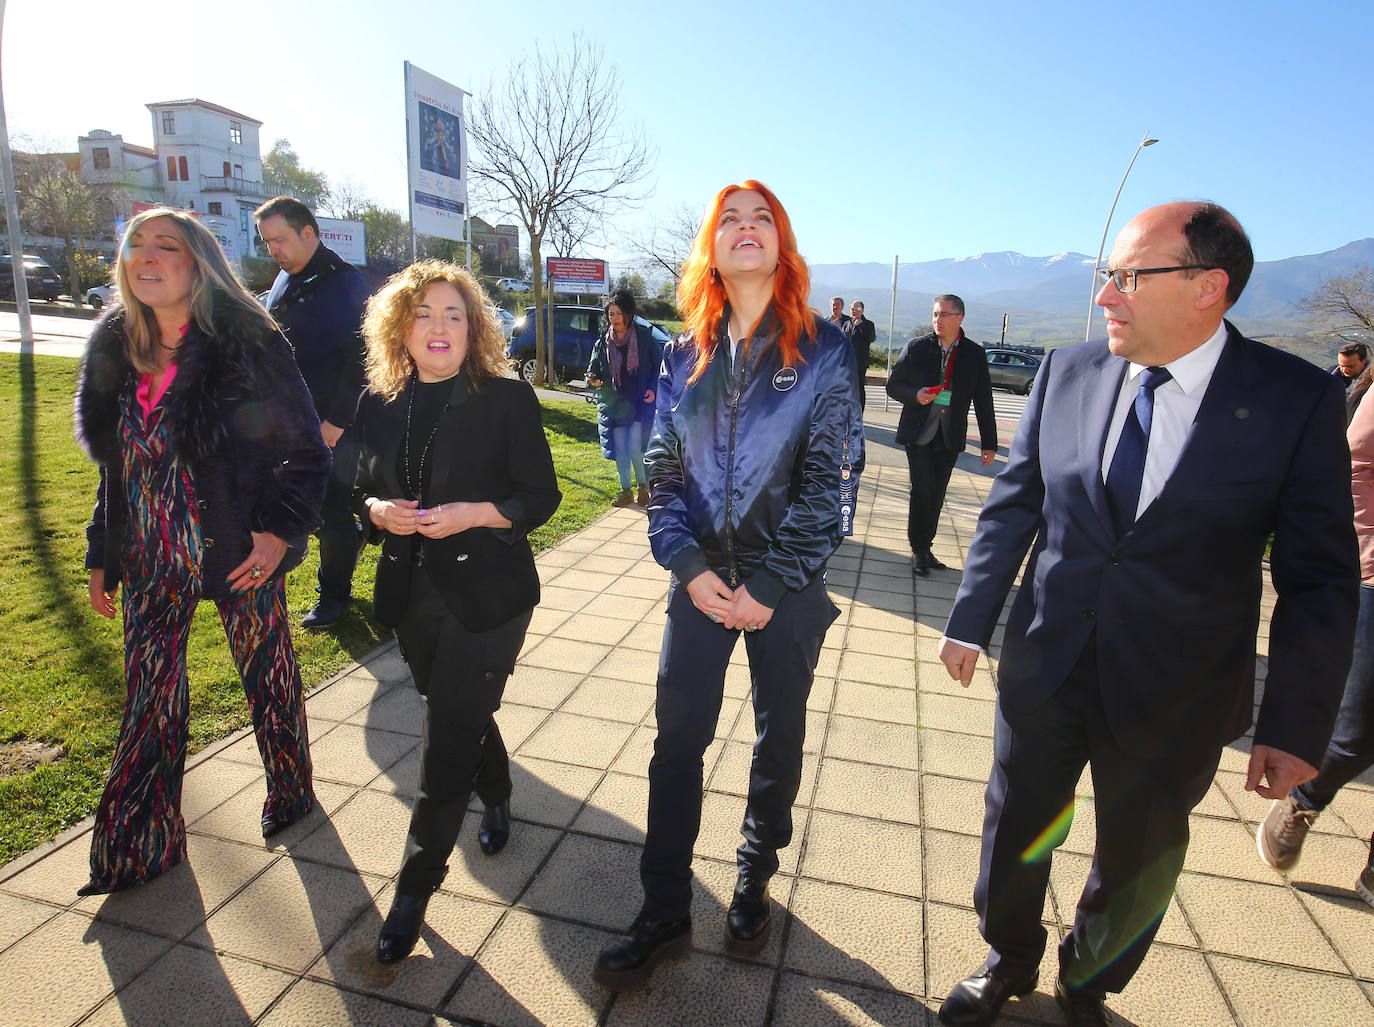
(1145, 480)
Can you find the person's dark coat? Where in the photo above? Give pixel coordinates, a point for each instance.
(615, 409)
(744, 463)
(489, 447)
(861, 334)
(970, 384)
(320, 308)
(239, 415)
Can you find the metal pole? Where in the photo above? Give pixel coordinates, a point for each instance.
(16, 234)
(1145, 141)
(891, 327)
(1004, 329)
(410, 176)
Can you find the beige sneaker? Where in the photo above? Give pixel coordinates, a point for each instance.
(626, 498)
(1281, 835)
(643, 498)
(1364, 885)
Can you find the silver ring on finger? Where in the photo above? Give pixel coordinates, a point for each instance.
(715, 617)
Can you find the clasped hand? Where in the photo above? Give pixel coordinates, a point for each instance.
(407, 517)
(735, 608)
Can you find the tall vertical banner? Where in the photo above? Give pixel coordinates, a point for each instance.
(437, 150)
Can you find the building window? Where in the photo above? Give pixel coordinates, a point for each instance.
(169, 124)
(226, 169)
(243, 220)
(235, 132)
(216, 208)
(181, 166)
(171, 169)
(100, 157)
(238, 170)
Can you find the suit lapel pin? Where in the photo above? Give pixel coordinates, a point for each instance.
(1242, 413)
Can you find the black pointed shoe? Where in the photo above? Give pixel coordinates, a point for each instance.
(933, 562)
(401, 930)
(920, 566)
(975, 1001)
(326, 613)
(1082, 1008)
(750, 916)
(495, 830)
(628, 961)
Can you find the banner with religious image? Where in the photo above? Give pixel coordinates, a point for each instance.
(436, 140)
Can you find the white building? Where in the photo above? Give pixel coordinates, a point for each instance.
(204, 158)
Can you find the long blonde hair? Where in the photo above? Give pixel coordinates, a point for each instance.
(211, 277)
(391, 314)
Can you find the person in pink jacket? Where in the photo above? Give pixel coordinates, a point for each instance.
(1351, 749)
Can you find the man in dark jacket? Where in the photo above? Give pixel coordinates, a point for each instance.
(861, 334)
(935, 379)
(318, 299)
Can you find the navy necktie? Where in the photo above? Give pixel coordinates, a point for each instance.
(1128, 463)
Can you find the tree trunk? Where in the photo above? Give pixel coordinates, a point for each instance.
(542, 344)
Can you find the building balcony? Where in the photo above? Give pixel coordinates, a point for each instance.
(246, 187)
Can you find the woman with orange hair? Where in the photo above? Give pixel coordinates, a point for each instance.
(757, 433)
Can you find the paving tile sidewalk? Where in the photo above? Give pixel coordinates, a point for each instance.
(875, 889)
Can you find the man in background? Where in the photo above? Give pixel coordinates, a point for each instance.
(318, 299)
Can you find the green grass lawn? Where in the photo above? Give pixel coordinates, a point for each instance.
(61, 665)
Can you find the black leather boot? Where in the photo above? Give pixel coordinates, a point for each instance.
(628, 961)
(750, 916)
(495, 830)
(401, 930)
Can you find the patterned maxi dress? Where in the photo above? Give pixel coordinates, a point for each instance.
(139, 832)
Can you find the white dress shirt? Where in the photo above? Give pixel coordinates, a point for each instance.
(1176, 407)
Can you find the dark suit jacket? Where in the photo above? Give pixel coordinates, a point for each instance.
(489, 447)
(1175, 601)
(919, 367)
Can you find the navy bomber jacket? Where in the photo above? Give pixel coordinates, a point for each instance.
(744, 463)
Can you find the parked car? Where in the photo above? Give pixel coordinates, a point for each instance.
(576, 330)
(44, 282)
(506, 318)
(101, 296)
(513, 285)
(1012, 370)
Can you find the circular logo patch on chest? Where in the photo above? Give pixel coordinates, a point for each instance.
(785, 379)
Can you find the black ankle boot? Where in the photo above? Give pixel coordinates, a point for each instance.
(628, 961)
(401, 930)
(495, 830)
(750, 915)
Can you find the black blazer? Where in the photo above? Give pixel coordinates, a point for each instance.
(490, 447)
(919, 367)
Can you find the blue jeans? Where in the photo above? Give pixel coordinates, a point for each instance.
(1351, 749)
(627, 440)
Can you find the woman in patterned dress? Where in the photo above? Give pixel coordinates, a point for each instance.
(212, 469)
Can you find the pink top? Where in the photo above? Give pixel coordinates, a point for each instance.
(149, 394)
(1360, 435)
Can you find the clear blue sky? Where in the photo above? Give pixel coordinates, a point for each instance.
(918, 129)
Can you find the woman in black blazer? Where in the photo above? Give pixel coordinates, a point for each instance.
(455, 471)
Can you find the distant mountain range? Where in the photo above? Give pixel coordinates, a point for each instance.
(1046, 298)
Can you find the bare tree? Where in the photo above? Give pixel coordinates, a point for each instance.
(665, 247)
(568, 230)
(347, 199)
(550, 147)
(1347, 302)
(62, 201)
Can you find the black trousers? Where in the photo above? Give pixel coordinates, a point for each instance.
(1142, 808)
(462, 675)
(930, 467)
(691, 683)
(340, 536)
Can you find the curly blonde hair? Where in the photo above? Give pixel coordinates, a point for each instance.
(391, 314)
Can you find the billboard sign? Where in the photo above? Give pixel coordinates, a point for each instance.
(575, 274)
(346, 238)
(436, 142)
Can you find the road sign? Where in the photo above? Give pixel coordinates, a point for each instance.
(574, 274)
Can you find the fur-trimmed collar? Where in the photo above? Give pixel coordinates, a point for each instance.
(214, 373)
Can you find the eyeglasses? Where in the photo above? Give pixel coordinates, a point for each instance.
(1126, 278)
(945, 313)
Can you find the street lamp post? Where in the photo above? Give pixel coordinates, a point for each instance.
(1145, 141)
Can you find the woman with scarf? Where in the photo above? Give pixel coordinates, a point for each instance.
(624, 367)
(212, 470)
